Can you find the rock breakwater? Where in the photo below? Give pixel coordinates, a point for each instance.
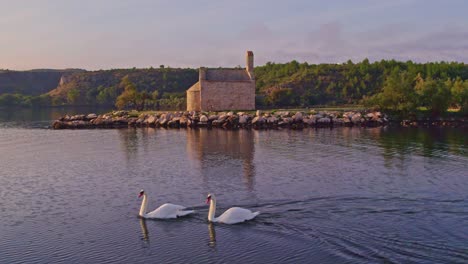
(226, 120)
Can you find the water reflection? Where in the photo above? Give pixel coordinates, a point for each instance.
(221, 151)
(46, 114)
(144, 230)
(129, 139)
(212, 234)
(430, 142)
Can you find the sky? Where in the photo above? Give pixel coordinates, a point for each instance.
(106, 34)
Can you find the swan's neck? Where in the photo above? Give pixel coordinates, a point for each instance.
(143, 206)
(212, 211)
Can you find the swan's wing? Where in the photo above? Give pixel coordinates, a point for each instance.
(184, 212)
(236, 215)
(168, 211)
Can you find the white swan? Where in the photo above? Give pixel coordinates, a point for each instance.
(233, 215)
(164, 211)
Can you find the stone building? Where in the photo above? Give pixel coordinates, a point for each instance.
(223, 89)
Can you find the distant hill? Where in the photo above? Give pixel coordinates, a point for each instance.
(278, 84)
(34, 82)
(102, 87)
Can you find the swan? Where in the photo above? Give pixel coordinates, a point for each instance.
(233, 215)
(164, 211)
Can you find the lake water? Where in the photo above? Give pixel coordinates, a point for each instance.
(347, 195)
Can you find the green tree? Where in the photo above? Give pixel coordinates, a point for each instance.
(397, 94)
(433, 94)
(72, 96)
(281, 97)
(128, 96)
(460, 95)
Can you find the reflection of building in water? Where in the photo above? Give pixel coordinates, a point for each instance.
(133, 139)
(222, 151)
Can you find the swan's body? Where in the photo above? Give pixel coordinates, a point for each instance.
(233, 215)
(164, 211)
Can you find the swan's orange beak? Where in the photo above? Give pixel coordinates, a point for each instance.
(140, 195)
(208, 199)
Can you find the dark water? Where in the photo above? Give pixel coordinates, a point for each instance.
(326, 196)
(41, 118)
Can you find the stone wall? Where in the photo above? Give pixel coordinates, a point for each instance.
(218, 96)
(193, 98)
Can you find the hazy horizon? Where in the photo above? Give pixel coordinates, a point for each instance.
(105, 34)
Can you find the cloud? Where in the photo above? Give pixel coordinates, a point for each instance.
(332, 43)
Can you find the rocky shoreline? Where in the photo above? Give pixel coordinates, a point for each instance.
(226, 120)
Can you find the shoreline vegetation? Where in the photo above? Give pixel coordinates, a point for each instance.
(260, 119)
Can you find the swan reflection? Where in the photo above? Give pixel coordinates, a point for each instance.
(212, 233)
(144, 229)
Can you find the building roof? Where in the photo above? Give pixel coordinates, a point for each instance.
(227, 75)
(194, 88)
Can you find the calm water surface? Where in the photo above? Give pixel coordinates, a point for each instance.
(382, 195)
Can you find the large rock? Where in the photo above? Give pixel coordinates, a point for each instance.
(58, 124)
(183, 121)
(309, 121)
(272, 120)
(243, 119)
(356, 118)
(213, 117)
(222, 118)
(150, 120)
(297, 117)
(139, 121)
(91, 116)
(162, 121)
(132, 121)
(258, 120)
(204, 119)
(77, 117)
(174, 122)
(323, 122)
(287, 120)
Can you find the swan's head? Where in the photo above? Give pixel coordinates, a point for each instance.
(209, 198)
(141, 193)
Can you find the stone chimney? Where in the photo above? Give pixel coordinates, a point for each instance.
(249, 57)
(202, 74)
(250, 63)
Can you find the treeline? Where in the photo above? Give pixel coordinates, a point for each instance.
(162, 88)
(404, 94)
(140, 100)
(301, 84)
(21, 100)
(386, 84)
